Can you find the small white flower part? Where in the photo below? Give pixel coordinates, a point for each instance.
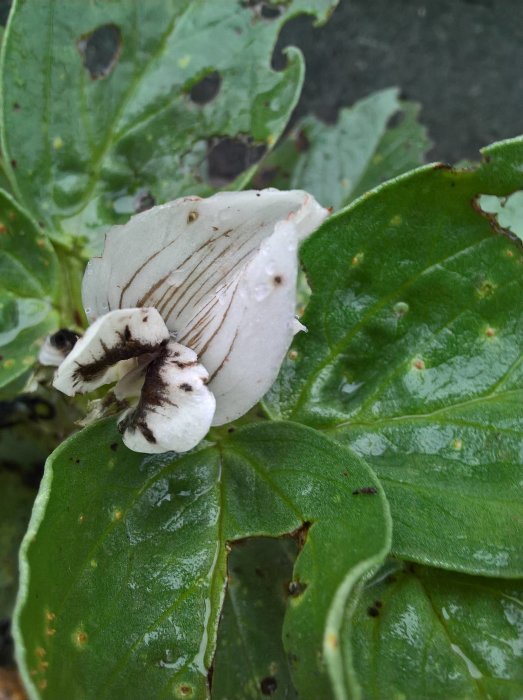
(56, 347)
(221, 273)
(175, 409)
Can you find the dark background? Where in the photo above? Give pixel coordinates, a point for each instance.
(461, 59)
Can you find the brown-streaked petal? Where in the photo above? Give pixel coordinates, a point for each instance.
(108, 348)
(179, 257)
(175, 409)
(253, 328)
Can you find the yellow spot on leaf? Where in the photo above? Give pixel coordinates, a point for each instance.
(28, 361)
(457, 444)
(490, 332)
(396, 220)
(358, 258)
(3, 227)
(40, 652)
(332, 641)
(184, 61)
(293, 355)
(9, 363)
(81, 518)
(58, 143)
(117, 515)
(418, 363)
(80, 638)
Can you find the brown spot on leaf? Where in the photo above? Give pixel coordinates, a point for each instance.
(268, 685)
(365, 491)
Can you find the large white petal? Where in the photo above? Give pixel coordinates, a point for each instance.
(106, 349)
(175, 408)
(183, 257)
(253, 327)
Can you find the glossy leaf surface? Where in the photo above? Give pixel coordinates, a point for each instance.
(336, 163)
(134, 106)
(138, 544)
(28, 283)
(423, 633)
(250, 661)
(413, 358)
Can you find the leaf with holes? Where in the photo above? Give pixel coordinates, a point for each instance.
(250, 659)
(140, 102)
(337, 163)
(28, 284)
(138, 546)
(424, 633)
(413, 358)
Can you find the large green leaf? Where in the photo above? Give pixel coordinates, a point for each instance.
(104, 109)
(16, 501)
(422, 633)
(413, 358)
(138, 546)
(338, 162)
(28, 283)
(250, 661)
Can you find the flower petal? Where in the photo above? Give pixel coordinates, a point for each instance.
(97, 357)
(180, 257)
(175, 408)
(253, 327)
(56, 347)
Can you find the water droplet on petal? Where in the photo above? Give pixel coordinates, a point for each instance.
(261, 291)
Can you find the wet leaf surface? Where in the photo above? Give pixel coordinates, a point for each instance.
(413, 358)
(424, 633)
(28, 288)
(250, 661)
(138, 544)
(116, 111)
(376, 139)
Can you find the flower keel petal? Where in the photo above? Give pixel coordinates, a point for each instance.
(176, 408)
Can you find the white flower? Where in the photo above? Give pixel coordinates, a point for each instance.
(193, 311)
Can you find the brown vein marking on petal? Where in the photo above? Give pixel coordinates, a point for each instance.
(194, 332)
(210, 280)
(153, 395)
(226, 357)
(218, 328)
(157, 285)
(206, 289)
(173, 299)
(125, 349)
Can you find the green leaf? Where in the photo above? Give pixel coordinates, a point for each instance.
(250, 661)
(336, 163)
(28, 284)
(17, 501)
(138, 544)
(413, 358)
(120, 115)
(424, 633)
